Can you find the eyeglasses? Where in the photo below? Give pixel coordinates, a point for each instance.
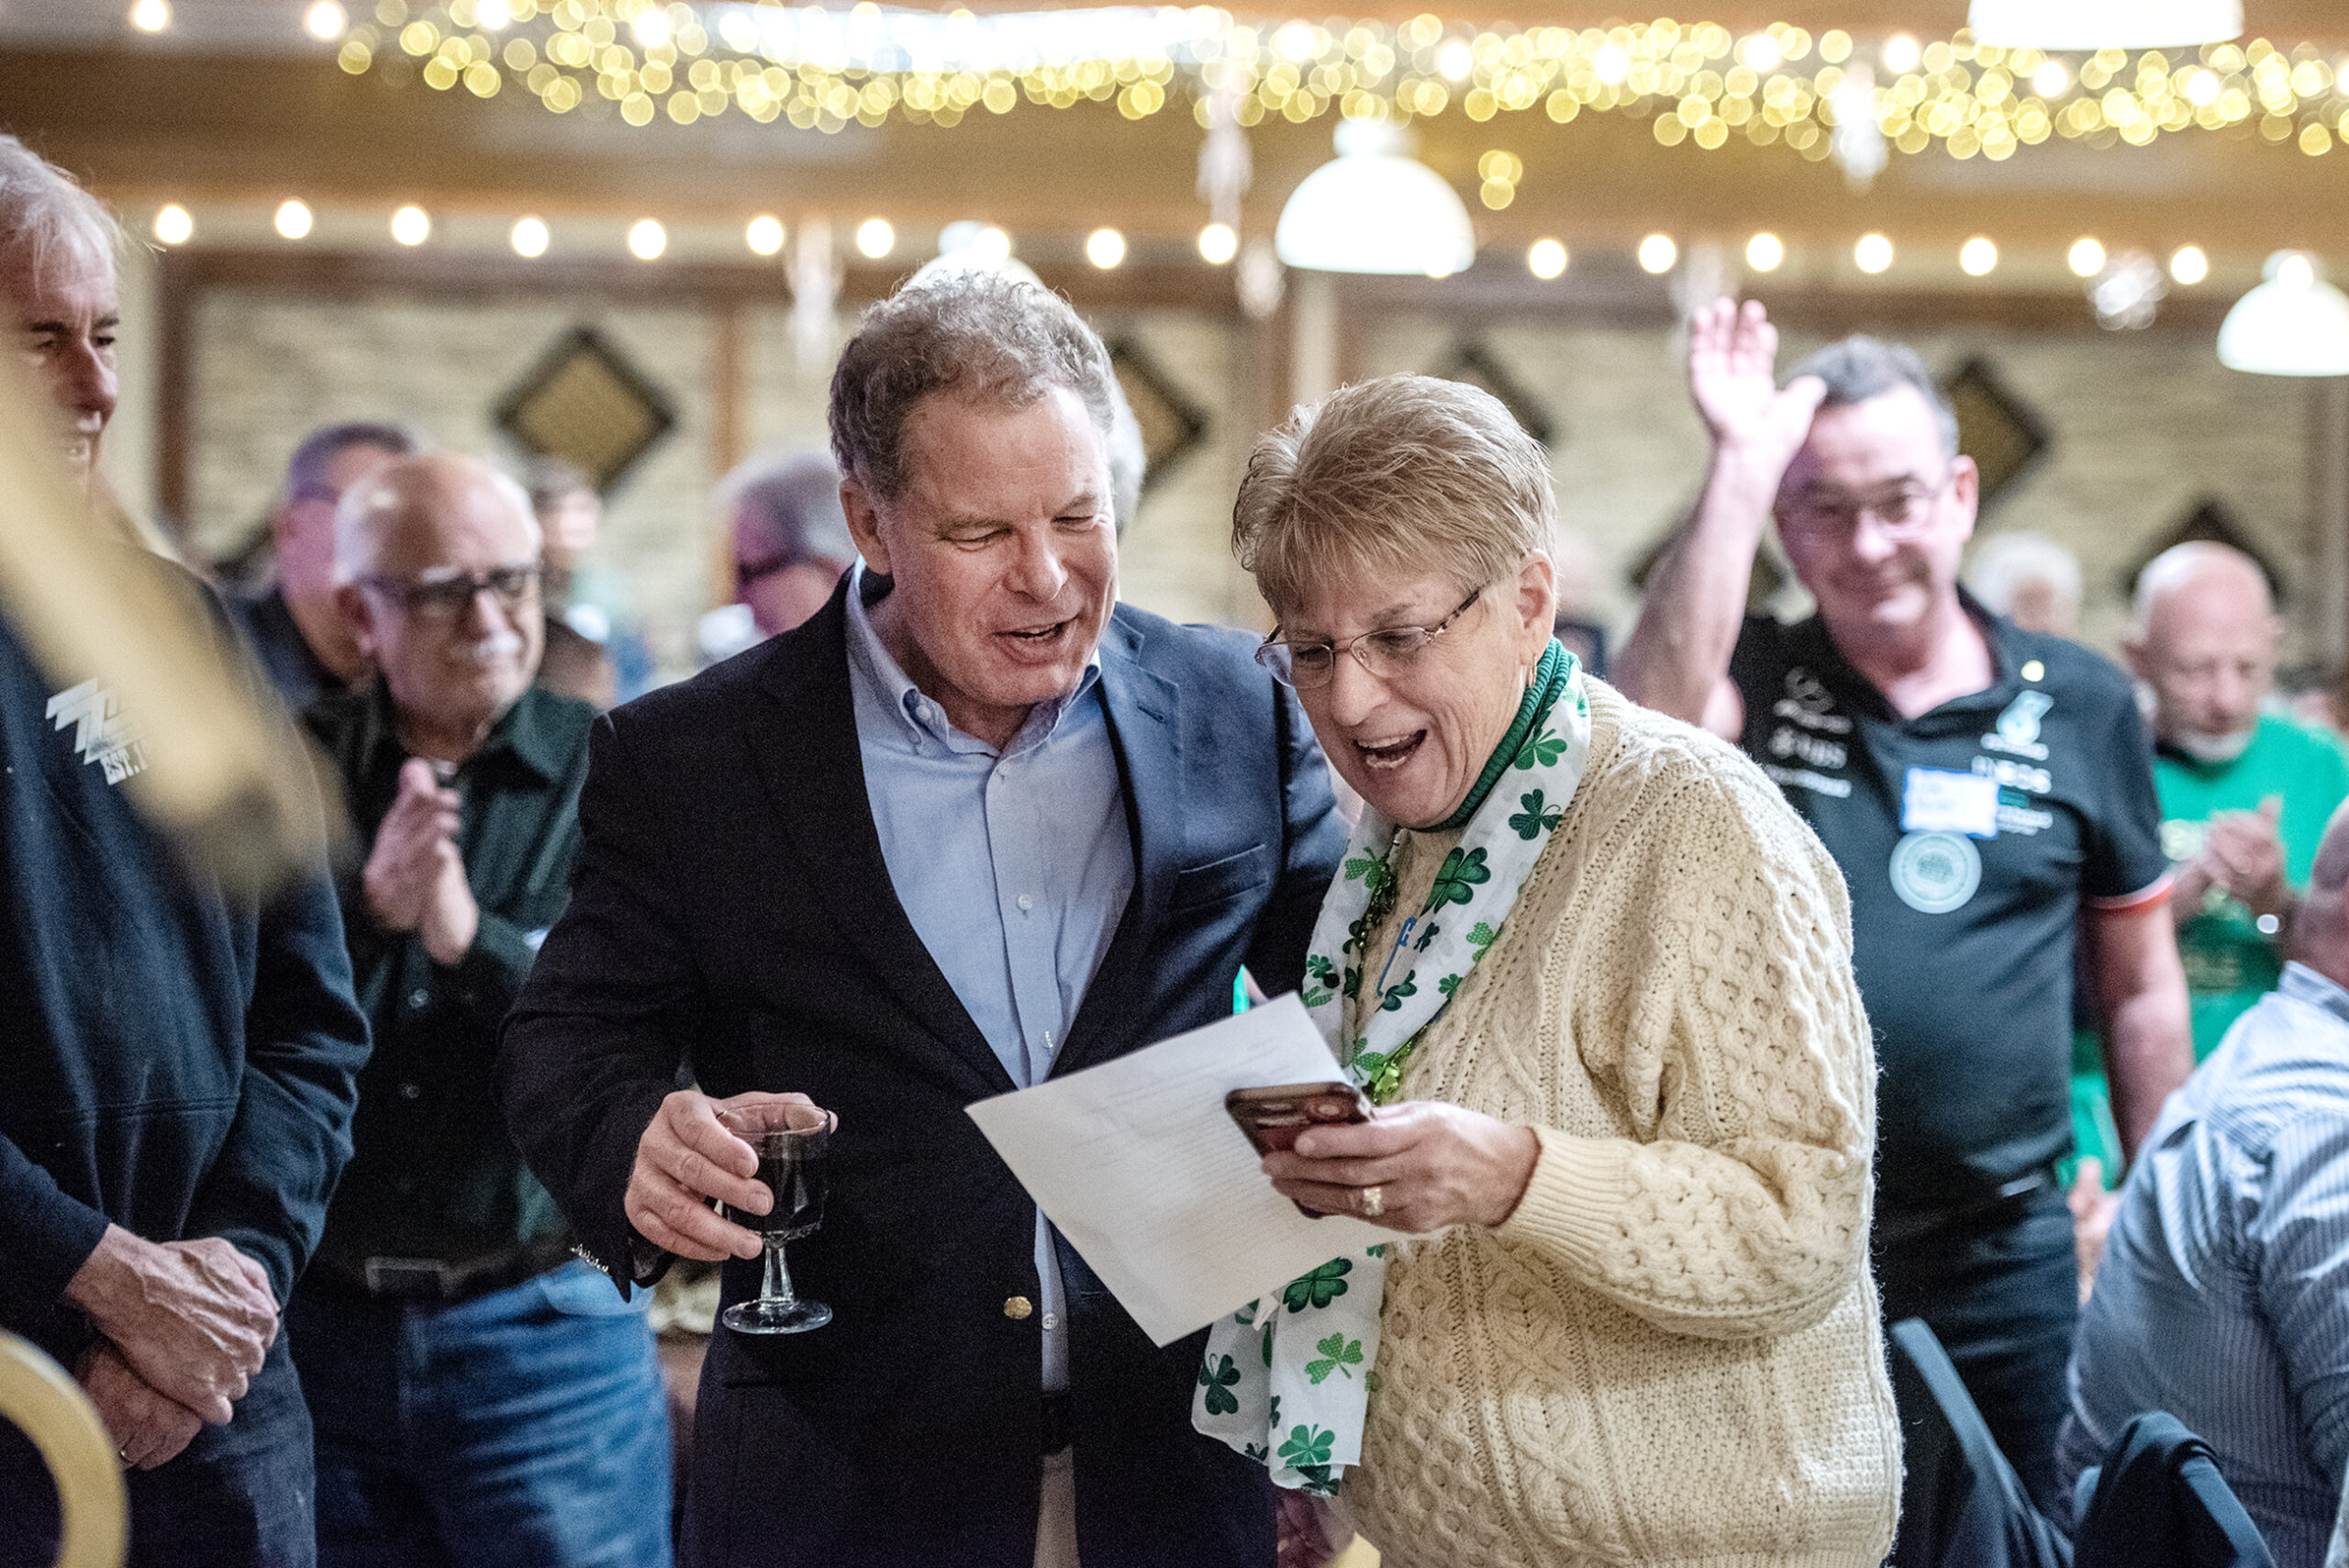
(448, 598)
(1902, 511)
(1384, 654)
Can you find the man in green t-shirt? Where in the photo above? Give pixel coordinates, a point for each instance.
(2245, 795)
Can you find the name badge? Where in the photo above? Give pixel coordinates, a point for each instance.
(1935, 800)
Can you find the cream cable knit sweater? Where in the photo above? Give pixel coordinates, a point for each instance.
(1669, 1353)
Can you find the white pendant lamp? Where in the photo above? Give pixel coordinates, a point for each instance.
(2103, 24)
(2294, 324)
(1376, 210)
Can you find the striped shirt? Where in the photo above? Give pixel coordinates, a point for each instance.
(2223, 1296)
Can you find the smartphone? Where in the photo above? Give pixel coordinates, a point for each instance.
(1273, 1116)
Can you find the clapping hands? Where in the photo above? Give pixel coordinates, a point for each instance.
(2242, 855)
(415, 879)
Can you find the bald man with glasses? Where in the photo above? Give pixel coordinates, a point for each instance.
(475, 1389)
(1987, 792)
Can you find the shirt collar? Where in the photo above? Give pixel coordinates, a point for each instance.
(1998, 635)
(923, 719)
(521, 734)
(2305, 984)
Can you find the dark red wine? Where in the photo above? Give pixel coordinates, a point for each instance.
(795, 1176)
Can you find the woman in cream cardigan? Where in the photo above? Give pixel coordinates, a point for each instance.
(1599, 977)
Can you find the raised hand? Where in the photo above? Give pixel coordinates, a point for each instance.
(1732, 359)
(687, 1157)
(193, 1318)
(406, 863)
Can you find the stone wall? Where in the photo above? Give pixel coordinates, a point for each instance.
(270, 367)
(2143, 426)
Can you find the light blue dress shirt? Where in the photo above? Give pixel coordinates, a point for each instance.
(1014, 867)
(2223, 1296)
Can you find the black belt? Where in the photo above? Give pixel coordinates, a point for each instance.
(1905, 1227)
(1060, 1423)
(441, 1280)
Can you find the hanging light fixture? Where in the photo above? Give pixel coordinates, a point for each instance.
(2103, 24)
(1374, 208)
(2294, 324)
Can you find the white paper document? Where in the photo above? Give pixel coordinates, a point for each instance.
(1138, 1164)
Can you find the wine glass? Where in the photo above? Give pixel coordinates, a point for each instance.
(790, 1139)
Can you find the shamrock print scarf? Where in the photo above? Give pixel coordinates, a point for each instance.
(1286, 1379)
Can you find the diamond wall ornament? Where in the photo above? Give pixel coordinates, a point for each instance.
(1171, 423)
(1472, 362)
(2001, 433)
(2211, 521)
(588, 405)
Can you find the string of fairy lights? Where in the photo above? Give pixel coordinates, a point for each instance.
(876, 238)
(1697, 84)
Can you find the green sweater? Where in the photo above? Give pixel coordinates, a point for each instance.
(2230, 962)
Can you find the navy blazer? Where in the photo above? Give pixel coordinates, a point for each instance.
(733, 913)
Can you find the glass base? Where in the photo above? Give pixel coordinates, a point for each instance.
(776, 1316)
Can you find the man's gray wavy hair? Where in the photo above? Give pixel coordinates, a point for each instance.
(44, 212)
(978, 335)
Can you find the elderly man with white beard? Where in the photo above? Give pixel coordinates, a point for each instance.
(471, 1383)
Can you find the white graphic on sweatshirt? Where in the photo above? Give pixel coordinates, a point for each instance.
(101, 734)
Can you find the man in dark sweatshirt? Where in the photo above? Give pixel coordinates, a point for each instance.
(180, 1064)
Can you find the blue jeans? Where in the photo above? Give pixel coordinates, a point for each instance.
(236, 1496)
(525, 1428)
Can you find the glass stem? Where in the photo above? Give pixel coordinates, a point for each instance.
(775, 1289)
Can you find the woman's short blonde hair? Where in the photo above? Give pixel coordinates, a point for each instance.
(1406, 475)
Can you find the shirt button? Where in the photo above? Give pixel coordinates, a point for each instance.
(411, 1091)
(420, 998)
(1026, 903)
(1051, 1319)
(1017, 1307)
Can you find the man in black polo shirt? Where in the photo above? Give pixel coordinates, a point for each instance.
(473, 1387)
(1979, 784)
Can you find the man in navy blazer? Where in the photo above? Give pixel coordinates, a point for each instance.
(973, 825)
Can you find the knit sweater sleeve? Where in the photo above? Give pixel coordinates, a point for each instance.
(1720, 1001)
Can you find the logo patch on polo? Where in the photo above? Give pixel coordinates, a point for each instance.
(101, 734)
(1935, 873)
(2018, 727)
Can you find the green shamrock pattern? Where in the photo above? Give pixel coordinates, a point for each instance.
(1309, 1446)
(1544, 748)
(1319, 1289)
(1391, 1000)
(1533, 820)
(1217, 1381)
(1457, 881)
(1338, 1353)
